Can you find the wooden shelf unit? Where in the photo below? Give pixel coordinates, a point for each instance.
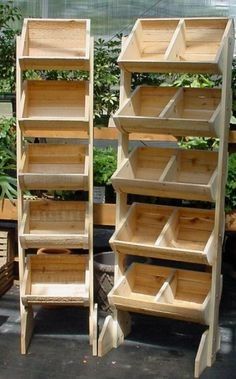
(172, 233)
(52, 109)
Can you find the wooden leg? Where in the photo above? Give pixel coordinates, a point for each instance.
(95, 330)
(106, 338)
(123, 327)
(201, 357)
(113, 332)
(27, 326)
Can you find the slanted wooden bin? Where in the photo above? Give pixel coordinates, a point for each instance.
(50, 105)
(169, 110)
(50, 166)
(175, 45)
(186, 174)
(179, 294)
(54, 224)
(62, 44)
(181, 234)
(57, 279)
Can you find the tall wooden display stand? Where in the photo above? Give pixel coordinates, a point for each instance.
(57, 110)
(173, 233)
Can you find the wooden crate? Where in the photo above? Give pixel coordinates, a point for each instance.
(50, 105)
(6, 262)
(4, 248)
(54, 224)
(58, 279)
(174, 173)
(165, 292)
(167, 232)
(55, 44)
(50, 166)
(175, 45)
(175, 111)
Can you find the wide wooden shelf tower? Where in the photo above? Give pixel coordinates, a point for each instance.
(181, 234)
(55, 110)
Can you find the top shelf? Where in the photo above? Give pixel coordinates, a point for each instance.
(176, 45)
(55, 44)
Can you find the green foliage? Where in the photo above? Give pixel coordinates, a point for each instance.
(199, 143)
(8, 15)
(192, 80)
(147, 79)
(106, 78)
(234, 87)
(104, 165)
(8, 181)
(56, 75)
(230, 195)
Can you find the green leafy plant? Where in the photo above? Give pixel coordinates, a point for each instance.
(199, 143)
(9, 14)
(106, 78)
(8, 181)
(230, 190)
(191, 80)
(104, 165)
(234, 87)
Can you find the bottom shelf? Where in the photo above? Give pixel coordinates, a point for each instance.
(163, 291)
(57, 279)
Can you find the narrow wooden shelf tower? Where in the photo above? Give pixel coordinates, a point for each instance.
(55, 111)
(181, 234)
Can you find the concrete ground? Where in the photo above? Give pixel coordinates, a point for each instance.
(156, 348)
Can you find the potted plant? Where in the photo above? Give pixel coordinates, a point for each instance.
(104, 165)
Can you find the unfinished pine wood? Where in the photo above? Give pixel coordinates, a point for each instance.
(175, 45)
(4, 250)
(167, 232)
(54, 224)
(55, 44)
(175, 173)
(56, 279)
(50, 166)
(50, 105)
(196, 45)
(180, 294)
(175, 111)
